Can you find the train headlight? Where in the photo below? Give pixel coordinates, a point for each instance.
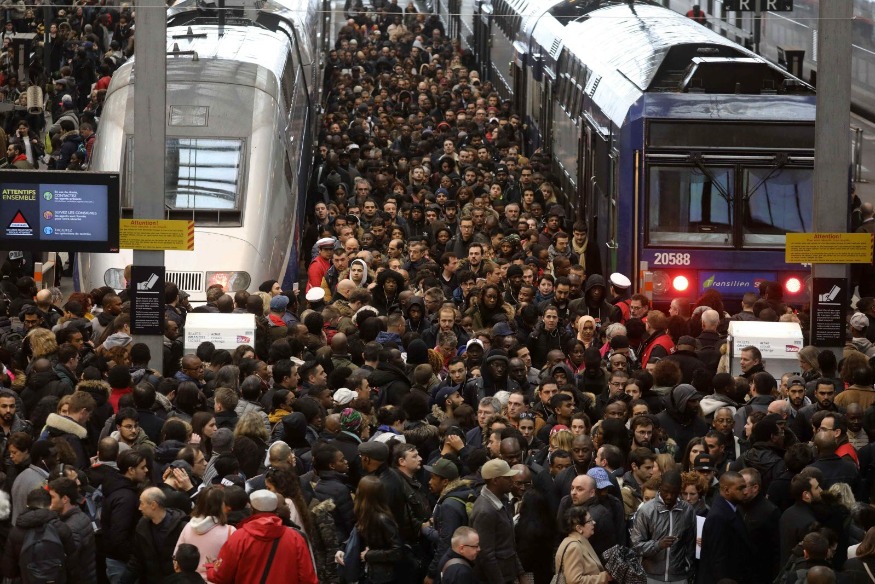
(230, 281)
(114, 278)
(793, 285)
(680, 283)
(661, 283)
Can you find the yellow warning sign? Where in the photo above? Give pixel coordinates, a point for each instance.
(829, 248)
(156, 234)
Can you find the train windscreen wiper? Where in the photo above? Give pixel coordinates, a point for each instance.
(781, 161)
(697, 160)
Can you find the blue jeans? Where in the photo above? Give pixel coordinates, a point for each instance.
(117, 571)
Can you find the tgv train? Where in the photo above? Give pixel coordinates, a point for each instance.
(678, 147)
(241, 101)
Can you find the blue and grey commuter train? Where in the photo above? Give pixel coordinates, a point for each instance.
(679, 148)
(242, 96)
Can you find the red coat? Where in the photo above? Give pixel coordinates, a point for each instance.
(316, 271)
(244, 556)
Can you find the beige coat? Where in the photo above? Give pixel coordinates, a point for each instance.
(580, 565)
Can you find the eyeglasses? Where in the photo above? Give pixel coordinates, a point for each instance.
(131, 426)
(476, 547)
(592, 521)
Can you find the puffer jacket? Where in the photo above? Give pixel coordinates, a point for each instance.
(325, 541)
(392, 383)
(100, 391)
(654, 521)
(332, 486)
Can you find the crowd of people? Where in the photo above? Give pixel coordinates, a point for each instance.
(458, 393)
(86, 44)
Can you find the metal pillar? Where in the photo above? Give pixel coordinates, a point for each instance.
(150, 113)
(832, 156)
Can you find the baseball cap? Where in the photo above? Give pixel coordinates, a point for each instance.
(497, 468)
(859, 321)
(444, 394)
(279, 302)
(352, 147)
(444, 469)
(375, 450)
(600, 476)
(703, 462)
(502, 329)
(344, 395)
(795, 380)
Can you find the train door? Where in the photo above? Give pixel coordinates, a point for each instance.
(585, 210)
(546, 114)
(482, 36)
(519, 87)
(614, 211)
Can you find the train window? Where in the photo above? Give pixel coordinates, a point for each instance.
(690, 207)
(778, 201)
(203, 173)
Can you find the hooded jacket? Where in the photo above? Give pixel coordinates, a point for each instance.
(243, 558)
(391, 381)
(604, 314)
(423, 321)
(333, 486)
(73, 434)
(99, 390)
(711, 403)
(677, 423)
(208, 536)
(767, 458)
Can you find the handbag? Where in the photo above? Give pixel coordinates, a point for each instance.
(559, 576)
(868, 571)
(624, 565)
(351, 570)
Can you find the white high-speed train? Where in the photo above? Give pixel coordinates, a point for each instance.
(241, 113)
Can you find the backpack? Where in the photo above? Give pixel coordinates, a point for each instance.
(94, 507)
(43, 557)
(468, 504)
(11, 341)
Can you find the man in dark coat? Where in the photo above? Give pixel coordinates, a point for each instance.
(65, 499)
(457, 564)
(498, 562)
(761, 517)
(685, 357)
(726, 545)
(681, 418)
(798, 519)
(155, 537)
(37, 516)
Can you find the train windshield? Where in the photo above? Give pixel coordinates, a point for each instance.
(203, 173)
(778, 201)
(689, 206)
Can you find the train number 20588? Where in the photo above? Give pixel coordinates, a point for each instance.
(671, 259)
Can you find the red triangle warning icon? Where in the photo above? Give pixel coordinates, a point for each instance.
(19, 222)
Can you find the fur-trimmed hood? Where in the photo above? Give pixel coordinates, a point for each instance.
(97, 388)
(65, 425)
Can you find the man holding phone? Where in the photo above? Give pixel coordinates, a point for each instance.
(664, 534)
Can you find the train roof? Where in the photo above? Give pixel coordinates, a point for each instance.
(654, 50)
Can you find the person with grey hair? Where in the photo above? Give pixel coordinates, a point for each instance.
(487, 407)
(155, 537)
(459, 565)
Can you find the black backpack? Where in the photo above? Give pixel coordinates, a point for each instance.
(43, 557)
